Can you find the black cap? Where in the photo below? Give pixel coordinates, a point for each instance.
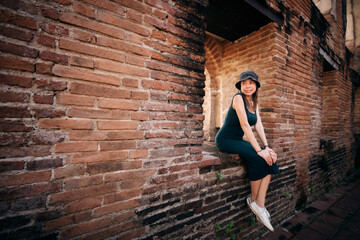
(246, 75)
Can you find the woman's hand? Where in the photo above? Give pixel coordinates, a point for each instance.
(273, 155)
(265, 154)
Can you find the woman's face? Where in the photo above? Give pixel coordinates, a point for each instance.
(248, 87)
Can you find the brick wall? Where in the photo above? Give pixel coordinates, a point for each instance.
(102, 118)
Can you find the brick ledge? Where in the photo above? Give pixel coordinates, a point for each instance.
(214, 159)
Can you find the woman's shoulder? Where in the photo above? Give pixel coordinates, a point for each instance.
(238, 95)
(235, 97)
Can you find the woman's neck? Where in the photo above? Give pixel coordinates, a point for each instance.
(249, 98)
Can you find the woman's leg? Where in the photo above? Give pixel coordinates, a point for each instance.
(262, 189)
(255, 185)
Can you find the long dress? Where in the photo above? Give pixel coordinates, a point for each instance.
(230, 139)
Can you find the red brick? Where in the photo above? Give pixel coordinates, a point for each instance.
(30, 190)
(84, 204)
(91, 50)
(21, 6)
(17, 64)
(44, 164)
(46, 40)
(130, 82)
(186, 98)
(81, 62)
(51, 85)
(133, 183)
(43, 68)
(35, 151)
(115, 145)
(84, 9)
(121, 68)
(138, 6)
(84, 36)
(153, 189)
(65, 124)
(133, 15)
(126, 175)
(54, 57)
(86, 135)
(121, 196)
(69, 99)
(163, 107)
(166, 67)
(49, 12)
(79, 229)
(117, 125)
(138, 154)
(141, 116)
(11, 165)
(43, 99)
(69, 171)
(68, 147)
(115, 229)
(16, 33)
(8, 96)
(195, 109)
(54, 29)
(24, 178)
(99, 91)
(108, 5)
(123, 216)
(59, 222)
(76, 183)
(99, 157)
(137, 95)
(14, 126)
(122, 23)
(157, 23)
(14, 80)
(98, 190)
(98, 114)
(159, 95)
(117, 104)
(116, 207)
(158, 35)
(64, 2)
(123, 46)
(48, 113)
(124, 135)
(85, 75)
(93, 25)
(159, 56)
(138, 61)
(112, 166)
(165, 86)
(8, 17)
(13, 139)
(132, 234)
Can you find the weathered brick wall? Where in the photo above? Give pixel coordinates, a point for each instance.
(102, 124)
(309, 102)
(211, 106)
(101, 114)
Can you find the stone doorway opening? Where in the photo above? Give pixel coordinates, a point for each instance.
(240, 36)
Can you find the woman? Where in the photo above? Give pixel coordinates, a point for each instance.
(261, 162)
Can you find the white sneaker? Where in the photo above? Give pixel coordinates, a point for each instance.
(248, 200)
(261, 215)
(268, 214)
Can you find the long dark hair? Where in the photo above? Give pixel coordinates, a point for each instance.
(254, 99)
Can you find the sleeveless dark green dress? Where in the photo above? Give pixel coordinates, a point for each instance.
(230, 139)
